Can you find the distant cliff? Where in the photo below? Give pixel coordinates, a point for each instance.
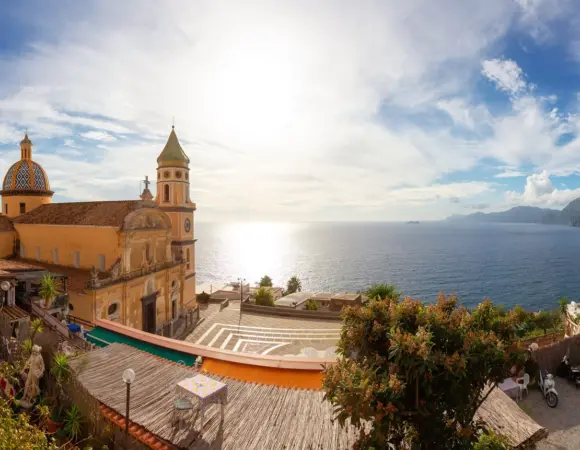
(570, 215)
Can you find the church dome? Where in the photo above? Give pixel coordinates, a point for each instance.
(25, 175)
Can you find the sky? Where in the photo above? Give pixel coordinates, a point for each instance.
(300, 111)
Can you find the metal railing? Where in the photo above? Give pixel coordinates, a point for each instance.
(100, 283)
(77, 320)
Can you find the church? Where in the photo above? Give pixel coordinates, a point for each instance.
(131, 261)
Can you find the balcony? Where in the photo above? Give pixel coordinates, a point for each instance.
(96, 283)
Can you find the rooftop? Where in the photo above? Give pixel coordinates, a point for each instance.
(76, 277)
(6, 224)
(172, 152)
(297, 298)
(100, 214)
(227, 329)
(256, 416)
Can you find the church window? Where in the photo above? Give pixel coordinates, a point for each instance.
(166, 174)
(55, 256)
(102, 262)
(188, 258)
(178, 174)
(77, 259)
(166, 193)
(113, 310)
(22, 208)
(38, 253)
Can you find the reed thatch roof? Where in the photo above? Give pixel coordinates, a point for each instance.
(256, 416)
(504, 416)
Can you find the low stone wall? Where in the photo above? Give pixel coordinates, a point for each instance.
(291, 312)
(542, 341)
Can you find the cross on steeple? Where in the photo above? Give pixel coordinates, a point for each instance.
(147, 182)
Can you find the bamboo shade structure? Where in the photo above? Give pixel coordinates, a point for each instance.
(501, 414)
(256, 416)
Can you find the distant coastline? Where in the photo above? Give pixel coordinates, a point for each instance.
(570, 215)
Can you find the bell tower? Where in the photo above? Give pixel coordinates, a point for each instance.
(172, 196)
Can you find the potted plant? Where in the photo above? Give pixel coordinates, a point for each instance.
(73, 423)
(60, 371)
(47, 289)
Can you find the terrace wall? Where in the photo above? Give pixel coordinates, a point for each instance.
(550, 356)
(290, 312)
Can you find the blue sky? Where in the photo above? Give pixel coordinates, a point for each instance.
(334, 110)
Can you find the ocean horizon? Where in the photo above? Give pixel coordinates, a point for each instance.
(532, 265)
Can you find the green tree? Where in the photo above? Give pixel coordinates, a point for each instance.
(264, 297)
(491, 441)
(48, 289)
(563, 306)
(544, 321)
(294, 285)
(382, 291)
(17, 433)
(266, 281)
(413, 375)
(203, 297)
(311, 305)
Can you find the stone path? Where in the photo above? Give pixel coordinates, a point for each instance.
(562, 422)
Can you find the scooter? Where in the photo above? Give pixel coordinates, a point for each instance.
(546, 385)
(566, 370)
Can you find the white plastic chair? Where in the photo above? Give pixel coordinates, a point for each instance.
(524, 386)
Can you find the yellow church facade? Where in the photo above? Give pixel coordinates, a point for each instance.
(130, 261)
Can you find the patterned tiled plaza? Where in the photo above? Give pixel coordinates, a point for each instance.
(230, 329)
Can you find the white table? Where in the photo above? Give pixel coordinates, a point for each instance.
(510, 387)
(207, 390)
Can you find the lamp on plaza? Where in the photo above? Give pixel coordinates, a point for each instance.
(128, 378)
(241, 280)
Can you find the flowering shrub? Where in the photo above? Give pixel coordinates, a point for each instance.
(17, 433)
(413, 374)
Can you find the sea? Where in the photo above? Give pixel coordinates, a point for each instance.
(531, 265)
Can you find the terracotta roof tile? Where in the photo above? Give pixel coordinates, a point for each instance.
(136, 430)
(6, 223)
(13, 265)
(101, 214)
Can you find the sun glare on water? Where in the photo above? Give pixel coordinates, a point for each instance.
(257, 248)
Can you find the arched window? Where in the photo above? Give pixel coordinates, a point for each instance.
(166, 193)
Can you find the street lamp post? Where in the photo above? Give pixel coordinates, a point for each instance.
(241, 280)
(128, 378)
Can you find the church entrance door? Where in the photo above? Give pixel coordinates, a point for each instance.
(149, 306)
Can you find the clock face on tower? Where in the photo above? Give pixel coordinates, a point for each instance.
(187, 225)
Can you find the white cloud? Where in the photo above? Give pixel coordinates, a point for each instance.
(283, 99)
(509, 172)
(505, 73)
(98, 136)
(540, 191)
(465, 114)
